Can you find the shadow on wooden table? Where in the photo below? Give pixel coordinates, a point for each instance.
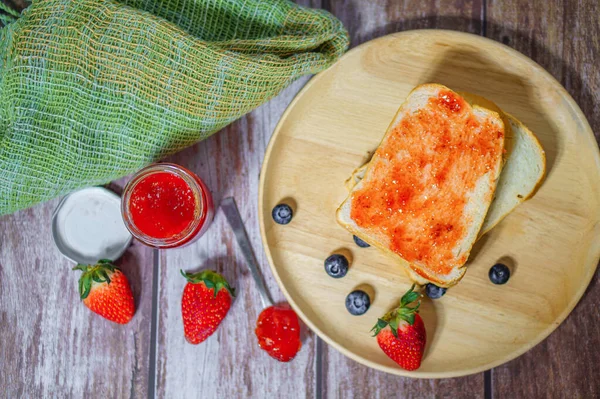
(540, 54)
(458, 80)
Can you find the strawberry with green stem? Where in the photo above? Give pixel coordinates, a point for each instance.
(205, 302)
(401, 333)
(105, 290)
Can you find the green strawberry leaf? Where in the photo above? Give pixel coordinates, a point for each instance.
(81, 267)
(402, 312)
(209, 284)
(211, 279)
(380, 325)
(105, 276)
(99, 273)
(81, 287)
(394, 326)
(408, 317)
(409, 297)
(87, 286)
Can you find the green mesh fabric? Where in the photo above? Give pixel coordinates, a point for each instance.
(92, 90)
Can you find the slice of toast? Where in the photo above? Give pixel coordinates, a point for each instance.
(521, 175)
(523, 171)
(429, 185)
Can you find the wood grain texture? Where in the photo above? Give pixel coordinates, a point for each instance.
(52, 345)
(365, 20)
(229, 363)
(563, 37)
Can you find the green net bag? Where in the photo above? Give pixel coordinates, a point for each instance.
(92, 90)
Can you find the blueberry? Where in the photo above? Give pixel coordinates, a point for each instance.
(336, 266)
(434, 292)
(358, 302)
(282, 214)
(360, 242)
(499, 274)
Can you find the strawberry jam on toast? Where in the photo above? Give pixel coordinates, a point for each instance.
(427, 189)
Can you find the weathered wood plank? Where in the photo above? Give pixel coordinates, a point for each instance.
(368, 20)
(229, 363)
(342, 377)
(52, 345)
(563, 37)
(346, 379)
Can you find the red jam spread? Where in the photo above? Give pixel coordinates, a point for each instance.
(162, 205)
(416, 190)
(278, 332)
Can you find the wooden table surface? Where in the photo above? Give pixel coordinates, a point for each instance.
(51, 345)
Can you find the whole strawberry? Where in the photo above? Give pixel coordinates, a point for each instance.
(105, 290)
(401, 333)
(205, 303)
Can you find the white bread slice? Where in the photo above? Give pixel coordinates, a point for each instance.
(475, 196)
(522, 174)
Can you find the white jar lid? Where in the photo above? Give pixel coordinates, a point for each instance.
(87, 226)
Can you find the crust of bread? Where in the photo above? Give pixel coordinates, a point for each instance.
(416, 273)
(519, 129)
(541, 152)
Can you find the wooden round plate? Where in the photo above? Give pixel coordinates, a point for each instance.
(551, 241)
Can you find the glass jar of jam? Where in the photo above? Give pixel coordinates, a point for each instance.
(166, 206)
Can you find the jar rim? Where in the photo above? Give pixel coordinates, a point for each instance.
(199, 214)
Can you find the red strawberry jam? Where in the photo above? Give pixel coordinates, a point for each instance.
(166, 205)
(162, 205)
(421, 179)
(278, 332)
